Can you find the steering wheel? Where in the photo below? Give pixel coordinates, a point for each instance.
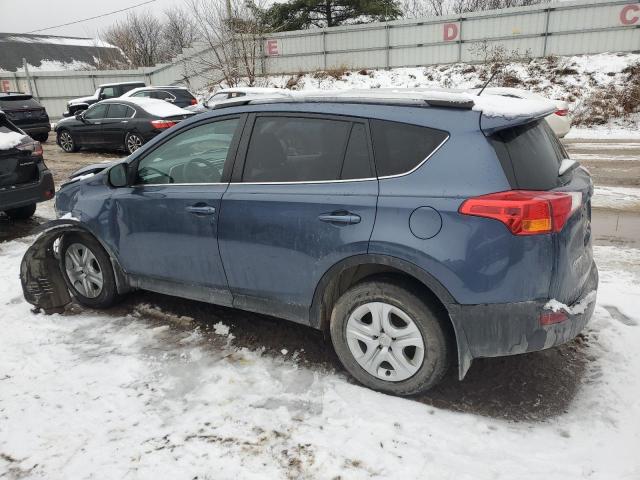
(199, 170)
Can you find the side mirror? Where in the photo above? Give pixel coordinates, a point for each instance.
(102, 96)
(118, 175)
(80, 116)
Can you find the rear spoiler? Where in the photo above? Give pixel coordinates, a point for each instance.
(492, 124)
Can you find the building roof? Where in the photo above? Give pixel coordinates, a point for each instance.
(42, 51)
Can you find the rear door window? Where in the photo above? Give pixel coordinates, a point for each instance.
(400, 147)
(530, 155)
(357, 163)
(294, 149)
(117, 110)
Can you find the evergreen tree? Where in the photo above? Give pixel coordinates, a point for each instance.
(301, 14)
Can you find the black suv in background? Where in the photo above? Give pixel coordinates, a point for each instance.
(26, 113)
(24, 178)
(103, 92)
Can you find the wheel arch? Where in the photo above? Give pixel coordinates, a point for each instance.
(352, 270)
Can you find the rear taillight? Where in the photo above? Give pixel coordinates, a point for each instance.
(161, 124)
(525, 212)
(562, 112)
(551, 318)
(194, 101)
(34, 147)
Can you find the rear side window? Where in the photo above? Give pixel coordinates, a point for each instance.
(400, 147)
(530, 155)
(117, 110)
(290, 149)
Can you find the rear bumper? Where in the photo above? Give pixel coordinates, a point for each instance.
(28, 194)
(36, 129)
(495, 330)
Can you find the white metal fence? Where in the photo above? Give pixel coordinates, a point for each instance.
(570, 28)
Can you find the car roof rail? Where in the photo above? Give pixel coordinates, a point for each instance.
(398, 97)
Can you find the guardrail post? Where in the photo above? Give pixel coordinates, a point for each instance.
(324, 49)
(460, 21)
(387, 35)
(546, 32)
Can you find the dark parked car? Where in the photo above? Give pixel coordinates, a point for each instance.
(417, 228)
(103, 92)
(119, 123)
(179, 96)
(26, 113)
(24, 178)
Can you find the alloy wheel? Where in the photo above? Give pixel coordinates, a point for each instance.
(66, 141)
(134, 142)
(385, 341)
(83, 270)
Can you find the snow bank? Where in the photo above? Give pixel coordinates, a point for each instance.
(10, 139)
(572, 79)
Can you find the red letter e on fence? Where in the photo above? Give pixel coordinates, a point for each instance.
(630, 14)
(450, 31)
(272, 48)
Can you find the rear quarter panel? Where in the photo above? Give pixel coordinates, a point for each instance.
(477, 259)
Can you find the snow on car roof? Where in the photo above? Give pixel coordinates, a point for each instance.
(489, 105)
(159, 108)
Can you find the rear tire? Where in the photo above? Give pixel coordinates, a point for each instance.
(405, 352)
(87, 271)
(133, 142)
(21, 213)
(66, 141)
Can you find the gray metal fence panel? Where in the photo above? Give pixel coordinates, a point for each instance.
(568, 28)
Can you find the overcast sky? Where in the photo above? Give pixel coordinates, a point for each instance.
(21, 16)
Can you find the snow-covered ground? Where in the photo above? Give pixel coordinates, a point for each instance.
(146, 395)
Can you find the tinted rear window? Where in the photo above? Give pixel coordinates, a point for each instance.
(530, 155)
(11, 102)
(400, 147)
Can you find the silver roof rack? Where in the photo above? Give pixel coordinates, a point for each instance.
(408, 97)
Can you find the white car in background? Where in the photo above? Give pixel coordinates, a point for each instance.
(225, 94)
(559, 121)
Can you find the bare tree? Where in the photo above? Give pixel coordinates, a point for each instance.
(139, 38)
(436, 8)
(233, 35)
(179, 30)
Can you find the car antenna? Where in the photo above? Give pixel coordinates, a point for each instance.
(487, 82)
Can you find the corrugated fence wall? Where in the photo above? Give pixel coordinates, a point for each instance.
(570, 28)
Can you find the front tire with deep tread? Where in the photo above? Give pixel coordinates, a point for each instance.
(427, 318)
(108, 296)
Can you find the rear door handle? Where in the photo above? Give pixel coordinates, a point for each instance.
(340, 217)
(198, 210)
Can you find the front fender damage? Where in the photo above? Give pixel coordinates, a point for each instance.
(43, 285)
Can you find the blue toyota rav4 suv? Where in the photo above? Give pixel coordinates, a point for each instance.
(421, 229)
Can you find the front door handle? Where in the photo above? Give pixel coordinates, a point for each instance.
(201, 210)
(345, 218)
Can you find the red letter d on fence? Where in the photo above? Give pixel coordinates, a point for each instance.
(450, 31)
